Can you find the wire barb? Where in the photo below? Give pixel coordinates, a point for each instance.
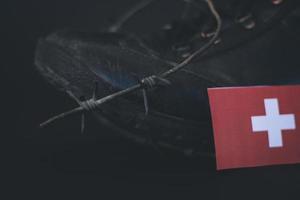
(145, 101)
(88, 105)
(153, 80)
(82, 123)
(95, 91)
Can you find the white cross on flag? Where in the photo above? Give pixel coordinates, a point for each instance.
(256, 126)
(273, 122)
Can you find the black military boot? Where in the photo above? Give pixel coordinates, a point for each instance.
(256, 44)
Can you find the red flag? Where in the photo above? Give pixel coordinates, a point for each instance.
(256, 126)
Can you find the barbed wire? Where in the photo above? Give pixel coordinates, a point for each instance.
(146, 83)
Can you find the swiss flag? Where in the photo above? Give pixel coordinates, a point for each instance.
(256, 126)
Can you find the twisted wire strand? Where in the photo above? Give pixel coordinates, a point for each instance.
(147, 82)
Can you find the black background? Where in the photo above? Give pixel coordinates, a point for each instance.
(59, 162)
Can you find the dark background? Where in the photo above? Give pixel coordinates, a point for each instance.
(59, 162)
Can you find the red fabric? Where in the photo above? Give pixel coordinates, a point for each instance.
(236, 144)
